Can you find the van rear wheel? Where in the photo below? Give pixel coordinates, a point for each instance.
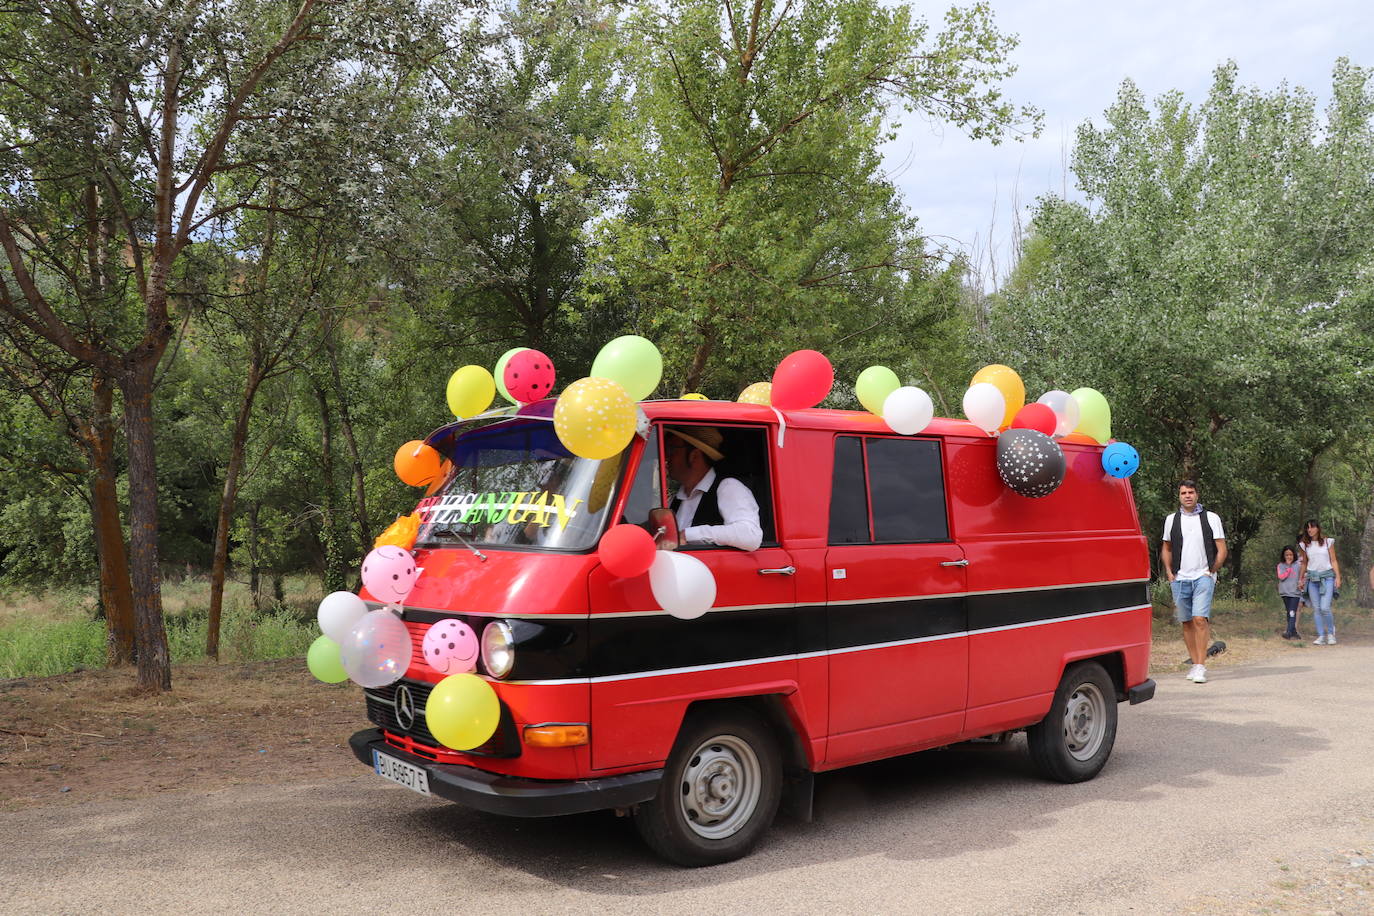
(1074, 740)
(719, 793)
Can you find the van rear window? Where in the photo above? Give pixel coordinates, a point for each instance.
(887, 491)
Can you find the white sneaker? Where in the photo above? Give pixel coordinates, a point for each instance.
(1319, 641)
(1201, 676)
(1330, 639)
(1192, 673)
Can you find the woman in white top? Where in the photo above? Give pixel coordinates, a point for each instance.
(1320, 573)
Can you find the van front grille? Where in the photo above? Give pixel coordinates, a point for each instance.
(381, 710)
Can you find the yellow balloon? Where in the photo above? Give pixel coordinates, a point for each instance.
(462, 712)
(1005, 380)
(694, 396)
(594, 418)
(470, 391)
(757, 393)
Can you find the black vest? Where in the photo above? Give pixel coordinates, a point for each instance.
(708, 510)
(1209, 543)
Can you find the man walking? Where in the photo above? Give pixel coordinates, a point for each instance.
(1194, 548)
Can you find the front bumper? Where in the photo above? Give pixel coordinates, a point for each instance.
(513, 796)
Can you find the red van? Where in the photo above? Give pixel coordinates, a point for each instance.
(903, 598)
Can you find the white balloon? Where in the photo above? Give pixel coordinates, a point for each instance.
(340, 612)
(377, 650)
(682, 585)
(908, 410)
(1065, 409)
(984, 406)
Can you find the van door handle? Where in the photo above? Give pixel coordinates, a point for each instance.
(955, 563)
(780, 571)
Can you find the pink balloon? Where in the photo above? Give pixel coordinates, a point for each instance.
(450, 647)
(627, 551)
(1039, 417)
(389, 573)
(529, 376)
(802, 379)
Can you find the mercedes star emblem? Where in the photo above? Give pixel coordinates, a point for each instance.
(405, 708)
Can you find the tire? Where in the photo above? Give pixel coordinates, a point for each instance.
(719, 793)
(1074, 740)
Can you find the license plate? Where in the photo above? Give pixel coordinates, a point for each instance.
(400, 772)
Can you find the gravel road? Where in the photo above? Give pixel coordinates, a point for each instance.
(1253, 793)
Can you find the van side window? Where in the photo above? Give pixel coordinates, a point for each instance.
(747, 460)
(848, 494)
(898, 482)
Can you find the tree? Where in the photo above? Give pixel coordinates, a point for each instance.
(1210, 286)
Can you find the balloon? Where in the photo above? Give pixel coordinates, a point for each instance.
(1030, 462)
(400, 533)
(462, 712)
(757, 393)
(1039, 417)
(874, 385)
(1094, 415)
(417, 464)
(339, 612)
(470, 391)
(450, 647)
(324, 661)
(377, 650)
(802, 379)
(1120, 459)
(908, 410)
(594, 418)
(389, 574)
(631, 362)
(1065, 410)
(499, 372)
(627, 551)
(984, 406)
(694, 396)
(681, 584)
(1005, 379)
(529, 376)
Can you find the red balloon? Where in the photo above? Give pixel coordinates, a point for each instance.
(1039, 417)
(627, 551)
(802, 379)
(529, 376)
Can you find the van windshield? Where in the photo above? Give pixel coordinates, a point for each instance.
(515, 485)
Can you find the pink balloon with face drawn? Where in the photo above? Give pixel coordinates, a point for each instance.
(389, 574)
(529, 376)
(450, 647)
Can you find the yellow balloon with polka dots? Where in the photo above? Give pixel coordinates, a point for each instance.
(757, 393)
(594, 418)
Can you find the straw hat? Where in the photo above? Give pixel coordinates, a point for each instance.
(706, 438)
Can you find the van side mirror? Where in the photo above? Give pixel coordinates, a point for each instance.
(663, 526)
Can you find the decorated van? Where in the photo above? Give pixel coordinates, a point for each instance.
(567, 649)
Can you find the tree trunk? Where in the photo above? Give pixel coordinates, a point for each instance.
(699, 359)
(150, 636)
(346, 424)
(254, 566)
(220, 558)
(116, 593)
(335, 578)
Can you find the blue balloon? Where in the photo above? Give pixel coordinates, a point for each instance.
(1120, 460)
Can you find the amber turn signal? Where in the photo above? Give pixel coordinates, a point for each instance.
(556, 735)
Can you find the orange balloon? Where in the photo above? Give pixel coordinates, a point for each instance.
(417, 464)
(400, 533)
(1005, 380)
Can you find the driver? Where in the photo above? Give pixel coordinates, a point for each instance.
(714, 510)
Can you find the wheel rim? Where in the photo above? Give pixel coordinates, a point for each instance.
(720, 787)
(1085, 721)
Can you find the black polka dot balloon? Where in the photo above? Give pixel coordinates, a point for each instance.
(1029, 462)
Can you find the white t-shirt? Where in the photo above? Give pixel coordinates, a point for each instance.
(737, 507)
(1193, 563)
(1318, 555)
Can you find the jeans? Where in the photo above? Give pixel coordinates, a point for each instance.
(1192, 597)
(1319, 596)
(1290, 605)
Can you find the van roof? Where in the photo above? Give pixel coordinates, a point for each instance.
(705, 413)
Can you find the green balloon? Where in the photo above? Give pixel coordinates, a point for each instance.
(632, 362)
(1094, 414)
(874, 385)
(325, 662)
(499, 373)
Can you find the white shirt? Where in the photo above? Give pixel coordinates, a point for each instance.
(1318, 555)
(737, 507)
(1193, 562)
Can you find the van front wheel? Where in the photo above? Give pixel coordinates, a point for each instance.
(1074, 740)
(719, 792)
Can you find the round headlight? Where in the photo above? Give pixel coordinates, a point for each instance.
(498, 648)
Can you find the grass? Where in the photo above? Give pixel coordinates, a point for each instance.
(58, 633)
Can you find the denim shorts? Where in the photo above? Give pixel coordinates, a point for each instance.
(1192, 597)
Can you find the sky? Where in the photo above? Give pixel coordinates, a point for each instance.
(1072, 58)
